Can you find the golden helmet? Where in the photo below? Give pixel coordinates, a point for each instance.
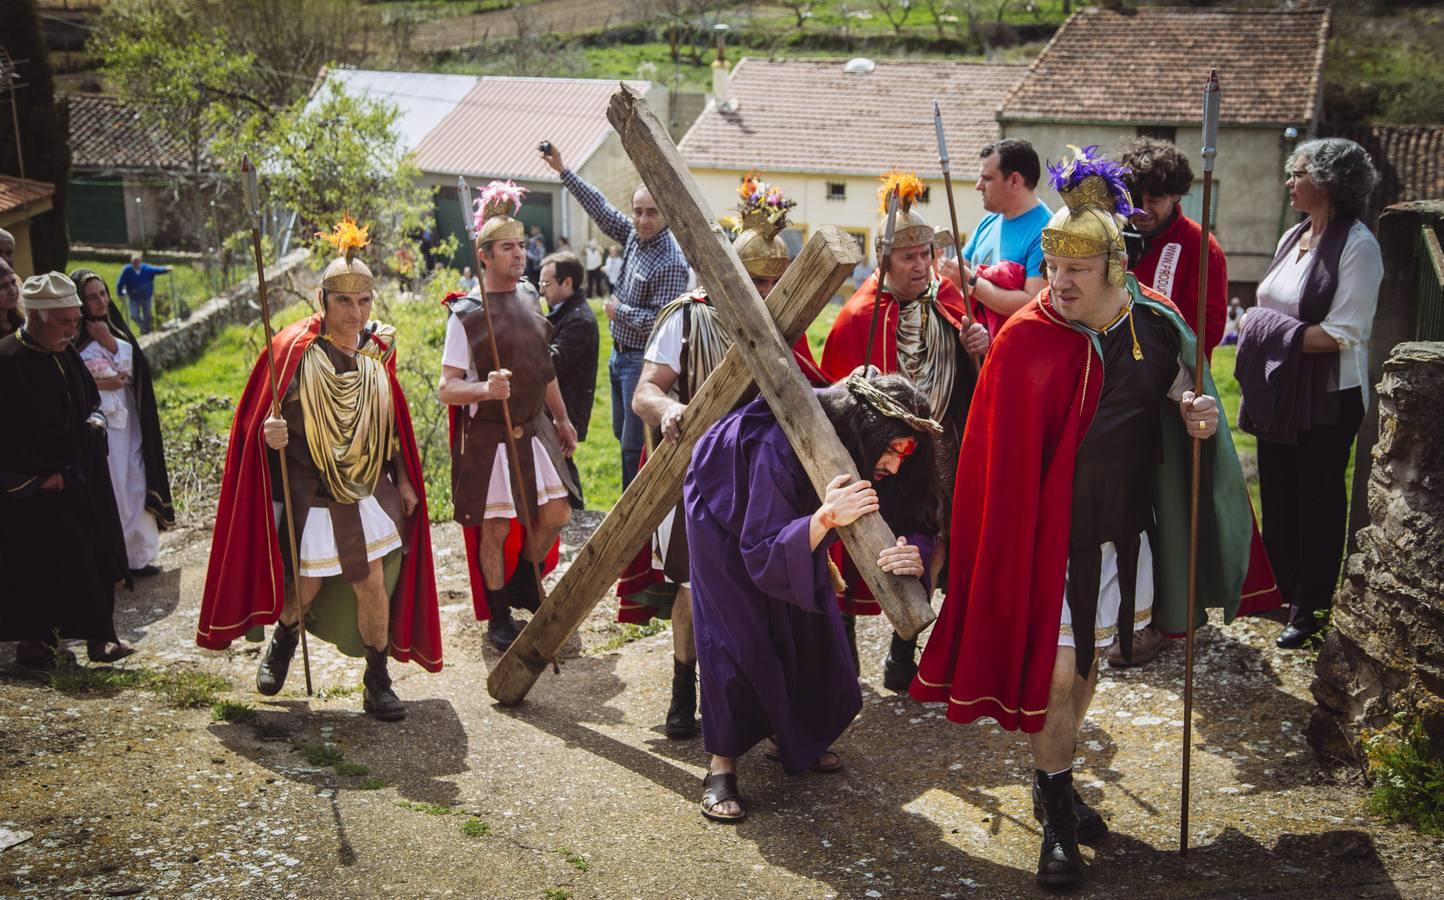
(346, 274)
(1096, 205)
(496, 211)
(911, 228)
(762, 209)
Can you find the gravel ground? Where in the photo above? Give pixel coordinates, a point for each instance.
(577, 793)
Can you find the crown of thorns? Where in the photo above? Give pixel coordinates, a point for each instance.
(864, 390)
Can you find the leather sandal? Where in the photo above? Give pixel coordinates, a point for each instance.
(718, 788)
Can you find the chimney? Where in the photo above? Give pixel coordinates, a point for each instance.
(721, 74)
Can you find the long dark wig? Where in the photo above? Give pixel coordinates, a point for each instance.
(910, 501)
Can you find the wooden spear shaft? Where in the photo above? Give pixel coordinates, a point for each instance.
(947, 165)
(248, 178)
(1200, 359)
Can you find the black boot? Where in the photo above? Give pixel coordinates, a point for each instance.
(901, 664)
(1091, 826)
(378, 699)
(522, 589)
(1059, 862)
(849, 624)
(682, 714)
(501, 630)
(271, 676)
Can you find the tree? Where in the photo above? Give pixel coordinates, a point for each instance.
(334, 155)
(43, 126)
(895, 11)
(941, 13)
(802, 9)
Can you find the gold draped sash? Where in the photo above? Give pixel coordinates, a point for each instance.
(350, 425)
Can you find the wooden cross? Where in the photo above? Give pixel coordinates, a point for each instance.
(760, 352)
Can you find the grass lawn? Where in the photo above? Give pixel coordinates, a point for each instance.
(183, 282)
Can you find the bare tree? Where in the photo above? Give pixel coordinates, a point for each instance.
(895, 11)
(941, 13)
(802, 9)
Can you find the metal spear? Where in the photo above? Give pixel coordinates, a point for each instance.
(253, 206)
(1211, 98)
(947, 167)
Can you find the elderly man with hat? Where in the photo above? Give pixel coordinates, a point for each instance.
(482, 391)
(60, 541)
(1071, 516)
(687, 342)
(921, 331)
(364, 581)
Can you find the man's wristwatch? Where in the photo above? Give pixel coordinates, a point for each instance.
(973, 279)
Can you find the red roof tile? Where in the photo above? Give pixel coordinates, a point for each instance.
(15, 192)
(1149, 66)
(1410, 160)
(494, 129)
(811, 116)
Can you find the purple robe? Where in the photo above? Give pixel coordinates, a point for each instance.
(771, 650)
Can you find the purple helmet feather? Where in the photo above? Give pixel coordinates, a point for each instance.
(1086, 163)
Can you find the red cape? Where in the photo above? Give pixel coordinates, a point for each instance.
(245, 581)
(1011, 522)
(846, 345)
(1177, 277)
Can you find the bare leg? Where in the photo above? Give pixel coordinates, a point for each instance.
(493, 539)
(1053, 745)
(373, 608)
(551, 518)
(684, 645)
(307, 587)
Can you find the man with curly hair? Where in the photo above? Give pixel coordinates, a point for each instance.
(1158, 177)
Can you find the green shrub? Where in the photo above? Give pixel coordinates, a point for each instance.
(1408, 777)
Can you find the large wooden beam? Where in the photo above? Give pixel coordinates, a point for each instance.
(813, 278)
(781, 382)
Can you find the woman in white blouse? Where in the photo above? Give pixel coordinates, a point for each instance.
(1324, 281)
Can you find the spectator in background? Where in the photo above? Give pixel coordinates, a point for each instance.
(1303, 368)
(7, 247)
(612, 268)
(563, 245)
(594, 268)
(468, 282)
(574, 347)
(1004, 254)
(127, 398)
(137, 285)
(536, 248)
(10, 320)
(1230, 325)
(653, 273)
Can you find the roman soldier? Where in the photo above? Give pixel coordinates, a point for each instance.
(920, 333)
(687, 342)
(364, 580)
(487, 393)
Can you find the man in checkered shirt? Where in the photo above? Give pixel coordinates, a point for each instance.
(653, 273)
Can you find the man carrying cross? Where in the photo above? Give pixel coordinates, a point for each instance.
(484, 492)
(919, 333)
(688, 341)
(1082, 480)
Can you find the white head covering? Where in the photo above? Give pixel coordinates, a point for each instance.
(49, 291)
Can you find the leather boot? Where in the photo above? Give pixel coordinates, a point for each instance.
(682, 714)
(849, 624)
(522, 589)
(378, 699)
(1091, 826)
(1059, 862)
(901, 664)
(501, 630)
(271, 676)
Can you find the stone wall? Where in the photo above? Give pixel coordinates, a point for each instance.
(287, 281)
(1385, 653)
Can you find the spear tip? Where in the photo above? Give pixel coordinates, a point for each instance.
(246, 163)
(1213, 78)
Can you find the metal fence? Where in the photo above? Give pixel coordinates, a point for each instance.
(1429, 286)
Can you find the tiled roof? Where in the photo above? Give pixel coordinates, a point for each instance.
(1150, 65)
(493, 131)
(811, 116)
(15, 192)
(1410, 160)
(106, 133)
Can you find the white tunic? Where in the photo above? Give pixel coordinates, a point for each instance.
(127, 464)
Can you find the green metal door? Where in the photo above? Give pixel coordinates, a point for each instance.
(95, 211)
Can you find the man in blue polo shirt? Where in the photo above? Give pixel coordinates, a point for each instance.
(137, 285)
(1008, 174)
